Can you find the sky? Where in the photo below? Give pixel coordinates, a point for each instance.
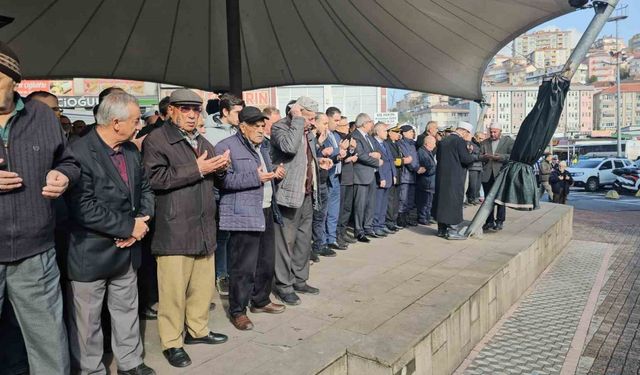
(578, 20)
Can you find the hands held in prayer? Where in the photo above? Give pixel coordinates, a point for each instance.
(375, 155)
(344, 144)
(140, 229)
(327, 151)
(280, 172)
(9, 180)
(407, 159)
(352, 159)
(214, 164)
(352, 143)
(265, 176)
(421, 170)
(325, 163)
(342, 153)
(57, 183)
(383, 183)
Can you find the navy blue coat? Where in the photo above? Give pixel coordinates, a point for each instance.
(387, 171)
(427, 180)
(241, 191)
(408, 148)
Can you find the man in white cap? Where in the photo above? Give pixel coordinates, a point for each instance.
(494, 153)
(454, 157)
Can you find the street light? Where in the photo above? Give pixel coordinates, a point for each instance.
(622, 14)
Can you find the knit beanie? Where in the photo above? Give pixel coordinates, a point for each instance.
(9, 63)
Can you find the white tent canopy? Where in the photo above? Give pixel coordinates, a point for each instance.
(437, 46)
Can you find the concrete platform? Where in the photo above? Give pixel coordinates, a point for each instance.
(408, 304)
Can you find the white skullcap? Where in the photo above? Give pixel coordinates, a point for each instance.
(466, 126)
(495, 125)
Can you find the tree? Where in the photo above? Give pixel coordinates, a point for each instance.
(592, 79)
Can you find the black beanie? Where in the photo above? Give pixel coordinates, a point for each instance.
(9, 63)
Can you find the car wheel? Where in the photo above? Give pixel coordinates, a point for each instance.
(592, 184)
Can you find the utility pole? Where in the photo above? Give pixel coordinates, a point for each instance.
(619, 17)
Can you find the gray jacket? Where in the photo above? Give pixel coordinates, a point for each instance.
(217, 131)
(288, 147)
(493, 166)
(545, 171)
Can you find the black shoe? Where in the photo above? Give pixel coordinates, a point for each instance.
(142, 369)
(423, 222)
(148, 313)
(290, 299)
(442, 233)
(363, 238)
(314, 257)
(380, 233)
(388, 231)
(397, 227)
(372, 235)
(488, 226)
(412, 223)
(499, 225)
(349, 239)
(222, 286)
(177, 357)
(211, 339)
(337, 246)
(326, 252)
(306, 289)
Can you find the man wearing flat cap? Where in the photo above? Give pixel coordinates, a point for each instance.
(248, 212)
(393, 138)
(454, 157)
(181, 166)
(294, 145)
(494, 153)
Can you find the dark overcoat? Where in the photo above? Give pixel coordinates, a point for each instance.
(453, 160)
(427, 180)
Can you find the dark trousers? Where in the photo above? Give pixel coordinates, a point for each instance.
(475, 181)
(560, 198)
(424, 200)
(392, 207)
(147, 276)
(222, 254)
(346, 206)
(320, 219)
(407, 197)
(13, 355)
(363, 208)
(382, 202)
(502, 210)
(251, 267)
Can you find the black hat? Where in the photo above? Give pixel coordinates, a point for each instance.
(9, 63)
(185, 96)
(406, 128)
(251, 115)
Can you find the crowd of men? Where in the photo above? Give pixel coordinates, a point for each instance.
(233, 198)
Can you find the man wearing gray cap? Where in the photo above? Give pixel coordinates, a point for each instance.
(294, 146)
(181, 166)
(454, 156)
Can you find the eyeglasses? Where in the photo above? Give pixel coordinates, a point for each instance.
(57, 109)
(188, 108)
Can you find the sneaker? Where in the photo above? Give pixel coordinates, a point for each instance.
(290, 299)
(326, 252)
(222, 285)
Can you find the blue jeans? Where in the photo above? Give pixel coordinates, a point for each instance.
(319, 219)
(382, 201)
(333, 209)
(222, 238)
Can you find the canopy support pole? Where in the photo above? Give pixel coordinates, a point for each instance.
(603, 9)
(233, 47)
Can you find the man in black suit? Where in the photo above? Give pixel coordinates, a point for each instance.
(364, 178)
(109, 209)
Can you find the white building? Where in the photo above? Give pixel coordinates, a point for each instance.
(552, 38)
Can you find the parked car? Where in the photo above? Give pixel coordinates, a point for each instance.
(595, 173)
(637, 163)
(628, 179)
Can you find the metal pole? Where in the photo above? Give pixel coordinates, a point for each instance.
(233, 47)
(603, 10)
(618, 114)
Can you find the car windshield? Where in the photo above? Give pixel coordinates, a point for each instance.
(587, 164)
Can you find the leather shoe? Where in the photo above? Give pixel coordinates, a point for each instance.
(488, 226)
(373, 235)
(242, 322)
(380, 233)
(142, 369)
(177, 357)
(349, 239)
(271, 308)
(314, 257)
(211, 338)
(337, 246)
(388, 231)
(363, 238)
(290, 299)
(148, 313)
(306, 289)
(499, 225)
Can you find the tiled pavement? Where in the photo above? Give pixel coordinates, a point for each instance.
(536, 338)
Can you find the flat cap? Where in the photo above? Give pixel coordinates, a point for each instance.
(185, 96)
(251, 115)
(406, 128)
(307, 103)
